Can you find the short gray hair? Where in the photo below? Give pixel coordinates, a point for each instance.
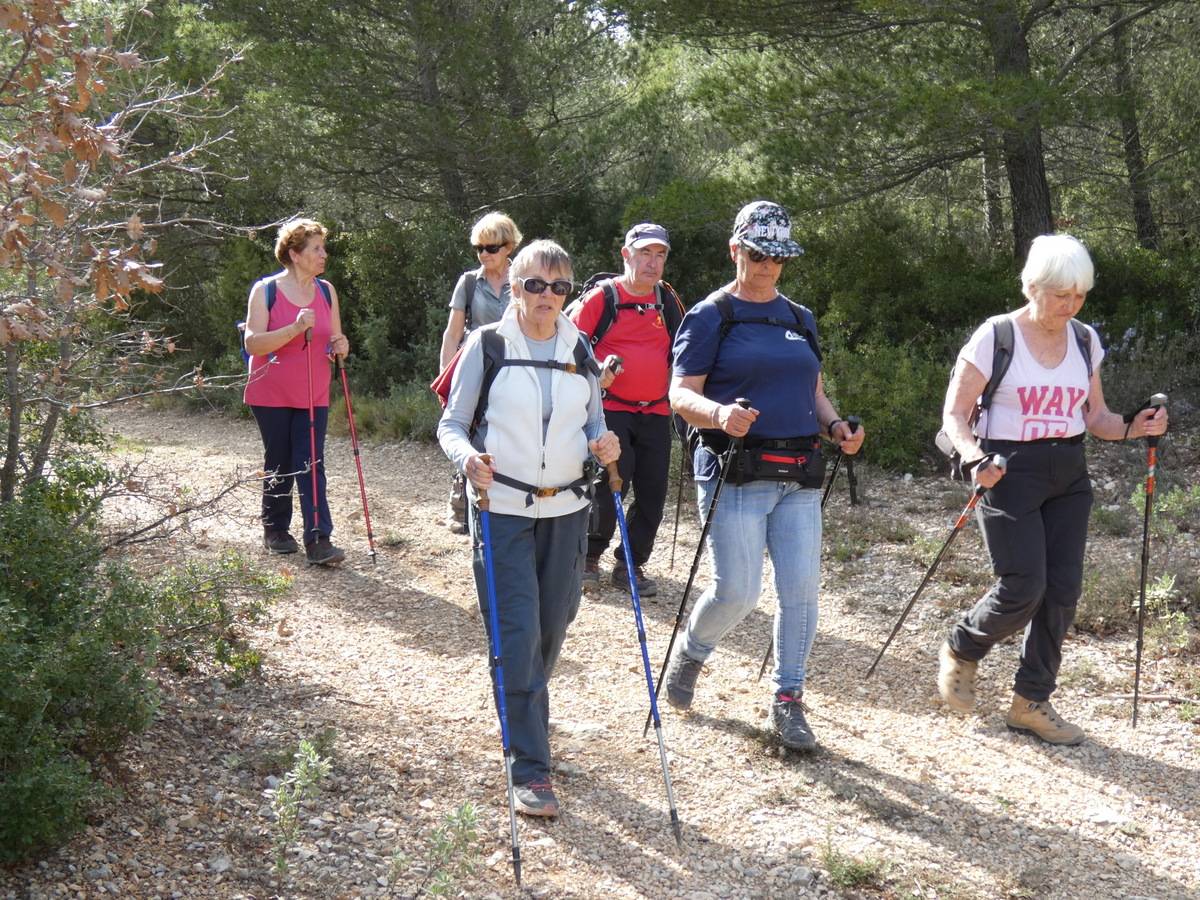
(541, 254)
(1057, 261)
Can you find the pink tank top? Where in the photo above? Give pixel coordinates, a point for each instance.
(281, 378)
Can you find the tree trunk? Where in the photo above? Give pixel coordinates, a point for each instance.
(993, 202)
(1131, 139)
(12, 449)
(1024, 157)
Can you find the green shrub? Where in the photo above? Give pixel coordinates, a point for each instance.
(408, 412)
(897, 390)
(78, 638)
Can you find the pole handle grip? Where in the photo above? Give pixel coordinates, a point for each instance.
(308, 335)
(853, 422)
(742, 402)
(482, 500)
(614, 477)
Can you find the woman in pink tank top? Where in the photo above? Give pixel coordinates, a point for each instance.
(282, 308)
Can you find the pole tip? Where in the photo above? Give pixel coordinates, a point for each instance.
(1158, 400)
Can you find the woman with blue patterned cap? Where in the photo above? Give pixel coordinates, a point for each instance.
(746, 340)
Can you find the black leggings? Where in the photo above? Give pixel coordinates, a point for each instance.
(645, 466)
(1034, 522)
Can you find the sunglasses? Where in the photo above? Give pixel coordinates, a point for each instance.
(758, 256)
(561, 287)
(489, 248)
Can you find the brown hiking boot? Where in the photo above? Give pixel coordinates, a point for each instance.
(956, 679)
(1040, 720)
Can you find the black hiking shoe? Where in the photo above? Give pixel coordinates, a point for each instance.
(647, 586)
(787, 718)
(681, 679)
(279, 541)
(535, 798)
(321, 552)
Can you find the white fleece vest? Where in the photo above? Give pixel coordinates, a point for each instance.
(514, 426)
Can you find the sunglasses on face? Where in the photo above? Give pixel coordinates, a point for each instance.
(488, 248)
(561, 287)
(758, 256)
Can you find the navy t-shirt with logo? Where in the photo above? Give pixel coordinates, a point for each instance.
(773, 367)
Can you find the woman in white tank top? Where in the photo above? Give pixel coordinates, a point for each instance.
(1035, 512)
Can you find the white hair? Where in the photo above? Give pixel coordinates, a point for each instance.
(1057, 261)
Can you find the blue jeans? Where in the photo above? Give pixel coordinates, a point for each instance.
(785, 520)
(287, 446)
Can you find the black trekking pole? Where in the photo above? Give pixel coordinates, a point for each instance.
(614, 482)
(853, 422)
(1151, 464)
(497, 667)
(678, 502)
(362, 486)
(999, 462)
(312, 437)
(735, 446)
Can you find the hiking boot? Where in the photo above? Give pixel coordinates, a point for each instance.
(956, 679)
(1040, 720)
(681, 679)
(787, 718)
(321, 552)
(279, 541)
(535, 798)
(591, 572)
(647, 586)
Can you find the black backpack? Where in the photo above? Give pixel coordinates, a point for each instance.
(494, 360)
(1003, 341)
(272, 289)
(666, 302)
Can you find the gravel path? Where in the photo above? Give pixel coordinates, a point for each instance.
(385, 665)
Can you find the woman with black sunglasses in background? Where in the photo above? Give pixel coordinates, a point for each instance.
(528, 447)
(479, 298)
(747, 340)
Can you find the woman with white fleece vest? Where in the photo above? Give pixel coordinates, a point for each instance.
(541, 420)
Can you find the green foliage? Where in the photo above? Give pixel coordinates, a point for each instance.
(451, 853)
(300, 783)
(896, 389)
(847, 871)
(407, 412)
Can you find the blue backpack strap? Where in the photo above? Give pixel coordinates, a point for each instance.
(326, 292)
(272, 293)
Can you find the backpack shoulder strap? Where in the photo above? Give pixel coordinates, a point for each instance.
(493, 360)
(272, 293)
(1083, 337)
(802, 317)
(326, 292)
(585, 362)
(1002, 356)
(608, 312)
(806, 320)
(469, 280)
(672, 307)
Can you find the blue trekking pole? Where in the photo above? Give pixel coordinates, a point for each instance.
(615, 484)
(497, 666)
(853, 422)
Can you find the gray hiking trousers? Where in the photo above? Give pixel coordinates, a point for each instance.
(1034, 522)
(538, 565)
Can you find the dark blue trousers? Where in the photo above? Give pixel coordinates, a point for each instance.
(286, 447)
(539, 568)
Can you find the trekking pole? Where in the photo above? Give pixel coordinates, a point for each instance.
(999, 462)
(497, 667)
(362, 485)
(1151, 464)
(678, 503)
(312, 437)
(735, 445)
(614, 482)
(853, 422)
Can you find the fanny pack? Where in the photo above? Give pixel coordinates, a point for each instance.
(774, 459)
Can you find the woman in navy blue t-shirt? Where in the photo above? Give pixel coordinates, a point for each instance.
(774, 362)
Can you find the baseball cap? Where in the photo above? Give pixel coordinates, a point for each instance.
(647, 233)
(766, 227)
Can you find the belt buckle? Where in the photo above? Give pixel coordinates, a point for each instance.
(545, 492)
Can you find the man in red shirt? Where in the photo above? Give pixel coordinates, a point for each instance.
(635, 399)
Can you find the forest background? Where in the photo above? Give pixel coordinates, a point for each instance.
(149, 149)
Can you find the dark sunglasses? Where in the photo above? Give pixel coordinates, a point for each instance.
(489, 248)
(758, 256)
(536, 285)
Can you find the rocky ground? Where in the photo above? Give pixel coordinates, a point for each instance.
(383, 667)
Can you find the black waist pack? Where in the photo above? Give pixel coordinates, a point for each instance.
(774, 459)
